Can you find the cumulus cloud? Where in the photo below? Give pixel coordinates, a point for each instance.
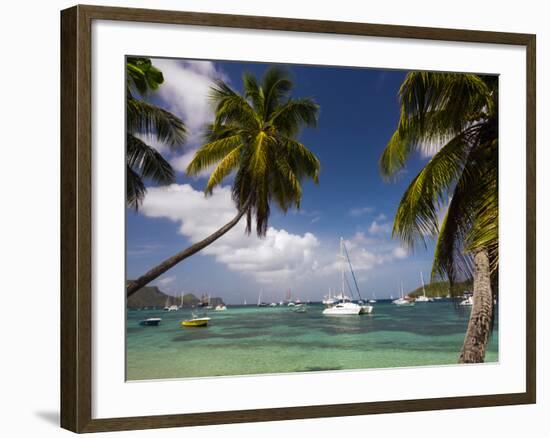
(365, 252)
(164, 281)
(280, 255)
(185, 93)
(360, 211)
(380, 227)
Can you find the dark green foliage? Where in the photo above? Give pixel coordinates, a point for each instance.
(254, 137)
(143, 118)
(456, 115)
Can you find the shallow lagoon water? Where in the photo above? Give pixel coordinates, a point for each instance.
(260, 340)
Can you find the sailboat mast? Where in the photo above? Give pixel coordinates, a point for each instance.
(422, 280)
(402, 289)
(342, 267)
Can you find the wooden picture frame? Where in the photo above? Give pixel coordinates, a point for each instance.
(76, 218)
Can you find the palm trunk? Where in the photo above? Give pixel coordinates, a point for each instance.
(133, 286)
(479, 326)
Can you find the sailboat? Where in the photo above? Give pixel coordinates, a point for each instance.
(289, 301)
(402, 301)
(329, 300)
(373, 299)
(169, 307)
(343, 307)
(260, 302)
(423, 298)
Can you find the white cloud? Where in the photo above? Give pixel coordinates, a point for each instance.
(360, 211)
(185, 93)
(280, 255)
(166, 280)
(380, 227)
(365, 253)
(400, 253)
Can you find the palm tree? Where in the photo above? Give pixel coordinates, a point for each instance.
(142, 160)
(254, 137)
(455, 115)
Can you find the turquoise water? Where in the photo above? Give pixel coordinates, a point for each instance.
(258, 340)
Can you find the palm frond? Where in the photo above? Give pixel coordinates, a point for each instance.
(289, 117)
(305, 163)
(142, 75)
(435, 107)
(224, 168)
(148, 119)
(254, 92)
(147, 161)
(135, 189)
(417, 214)
(210, 153)
(459, 96)
(231, 108)
(276, 86)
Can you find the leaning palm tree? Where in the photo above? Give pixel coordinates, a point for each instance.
(455, 116)
(143, 161)
(253, 137)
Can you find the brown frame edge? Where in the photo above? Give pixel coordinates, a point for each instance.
(76, 164)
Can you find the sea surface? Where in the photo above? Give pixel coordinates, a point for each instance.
(259, 340)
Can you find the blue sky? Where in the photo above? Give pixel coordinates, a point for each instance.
(358, 112)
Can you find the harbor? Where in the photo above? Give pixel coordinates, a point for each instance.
(247, 340)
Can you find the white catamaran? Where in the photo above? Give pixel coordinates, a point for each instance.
(344, 306)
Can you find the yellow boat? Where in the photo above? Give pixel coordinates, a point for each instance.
(195, 322)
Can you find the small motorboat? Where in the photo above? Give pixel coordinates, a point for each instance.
(468, 301)
(300, 308)
(220, 307)
(150, 322)
(196, 321)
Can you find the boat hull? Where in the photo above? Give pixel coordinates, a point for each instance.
(366, 309)
(150, 322)
(195, 322)
(344, 309)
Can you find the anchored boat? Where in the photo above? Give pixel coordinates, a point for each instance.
(344, 306)
(150, 322)
(423, 298)
(403, 301)
(196, 321)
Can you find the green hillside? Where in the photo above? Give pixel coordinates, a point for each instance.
(441, 289)
(152, 296)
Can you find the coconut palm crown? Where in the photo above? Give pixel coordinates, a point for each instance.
(142, 118)
(455, 115)
(254, 137)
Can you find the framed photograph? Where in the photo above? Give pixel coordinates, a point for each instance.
(269, 219)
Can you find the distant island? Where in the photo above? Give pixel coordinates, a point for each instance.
(153, 297)
(442, 289)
